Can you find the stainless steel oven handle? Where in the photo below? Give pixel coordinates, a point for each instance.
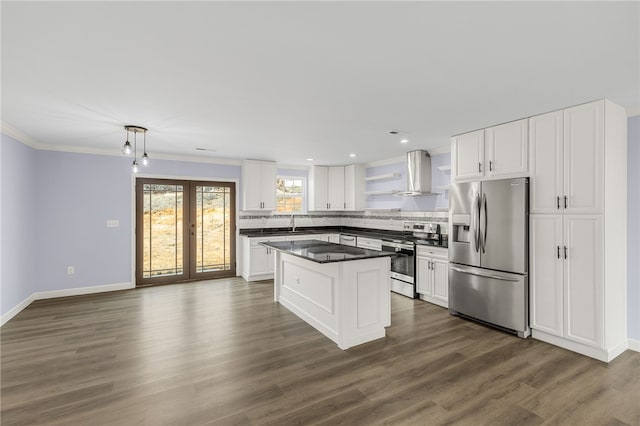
(478, 274)
(398, 245)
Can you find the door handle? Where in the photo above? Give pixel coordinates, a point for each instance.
(490, 165)
(479, 167)
(478, 274)
(558, 202)
(558, 252)
(483, 234)
(565, 201)
(476, 222)
(565, 252)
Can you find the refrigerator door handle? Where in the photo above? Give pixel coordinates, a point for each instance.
(478, 274)
(483, 208)
(476, 222)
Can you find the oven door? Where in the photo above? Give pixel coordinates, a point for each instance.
(404, 261)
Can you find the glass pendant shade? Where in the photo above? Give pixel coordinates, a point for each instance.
(145, 159)
(126, 148)
(134, 166)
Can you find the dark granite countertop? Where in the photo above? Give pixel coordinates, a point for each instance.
(323, 252)
(358, 232)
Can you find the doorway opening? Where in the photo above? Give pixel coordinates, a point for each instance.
(185, 230)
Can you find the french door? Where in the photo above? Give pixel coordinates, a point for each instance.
(185, 230)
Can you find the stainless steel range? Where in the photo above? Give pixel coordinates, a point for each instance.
(403, 265)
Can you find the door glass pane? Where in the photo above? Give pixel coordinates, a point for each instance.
(162, 230)
(213, 230)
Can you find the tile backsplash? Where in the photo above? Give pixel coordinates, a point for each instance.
(392, 221)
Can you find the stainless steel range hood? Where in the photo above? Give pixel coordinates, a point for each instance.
(418, 173)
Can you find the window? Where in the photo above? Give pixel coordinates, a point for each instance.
(290, 194)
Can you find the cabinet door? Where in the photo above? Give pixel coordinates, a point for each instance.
(259, 260)
(318, 185)
(423, 275)
(440, 280)
(268, 182)
(506, 149)
(334, 238)
(252, 185)
(354, 187)
(546, 154)
(584, 279)
(467, 155)
(335, 190)
(546, 258)
(584, 158)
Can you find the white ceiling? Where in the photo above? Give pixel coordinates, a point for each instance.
(291, 80)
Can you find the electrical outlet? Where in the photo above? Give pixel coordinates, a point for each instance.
(113, 223)
(71, 270)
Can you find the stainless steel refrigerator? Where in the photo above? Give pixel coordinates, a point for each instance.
(488, 253)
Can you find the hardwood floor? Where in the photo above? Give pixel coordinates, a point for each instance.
(222, 352)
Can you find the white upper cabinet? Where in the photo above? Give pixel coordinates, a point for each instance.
(494, 153)
(567, 160)
(354, 187)
(258, 185)
(467, 156)
(506, 150)
(336, 188)
(584, 158)
(546, 154)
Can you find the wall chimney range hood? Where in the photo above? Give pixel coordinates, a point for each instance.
(418, 173)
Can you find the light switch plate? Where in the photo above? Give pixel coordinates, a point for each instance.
(113, 223)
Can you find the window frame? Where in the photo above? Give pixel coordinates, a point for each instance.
(303, 195)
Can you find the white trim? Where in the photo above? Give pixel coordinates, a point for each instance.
(391, 160)
(19, 136)
(634, 344)
(39, 295)
(444, 149)
(605, 355)
(81, 290)
(292, 167)
(16, 309)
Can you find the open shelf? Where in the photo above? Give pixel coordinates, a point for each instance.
(445, 168)
(386, 192)
(382, 177)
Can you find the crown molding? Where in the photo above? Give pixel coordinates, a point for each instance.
(444, 149)
(632, 112)
(390, 160)
(20, 136)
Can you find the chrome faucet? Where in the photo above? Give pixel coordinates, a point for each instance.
(293, 223)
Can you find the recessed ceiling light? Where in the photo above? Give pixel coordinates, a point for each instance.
(404, 140)
(352, 155)
(205, 149)
(309, 159)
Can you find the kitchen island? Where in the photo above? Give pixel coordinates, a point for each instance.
(341, 291)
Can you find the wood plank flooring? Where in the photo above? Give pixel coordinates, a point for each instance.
(222, 352)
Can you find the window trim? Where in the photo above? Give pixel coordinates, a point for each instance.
(304, 195)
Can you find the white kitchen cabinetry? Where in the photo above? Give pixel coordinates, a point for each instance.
(326, 188)
(257, 260)
(567, 160)
(432, 275)
(467, 156)
(577, 270)
(354, 187)
(258, 185)
(494, 153)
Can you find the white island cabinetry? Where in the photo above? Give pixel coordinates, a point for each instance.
(348, 301)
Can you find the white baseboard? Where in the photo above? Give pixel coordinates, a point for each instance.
(634, 345)
(16, 309)
(39, 295)
(81, 290)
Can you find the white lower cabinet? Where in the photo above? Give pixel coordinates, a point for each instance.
(432, 275)
(258, 260)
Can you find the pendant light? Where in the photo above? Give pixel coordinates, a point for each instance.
(126, 149)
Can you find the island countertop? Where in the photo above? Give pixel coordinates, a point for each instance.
(324, 252)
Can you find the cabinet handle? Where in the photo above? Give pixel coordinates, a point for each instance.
(558, 202)
(479, 167)
(558, 251)
(565, 201)
(490, 165)
(565, 252)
